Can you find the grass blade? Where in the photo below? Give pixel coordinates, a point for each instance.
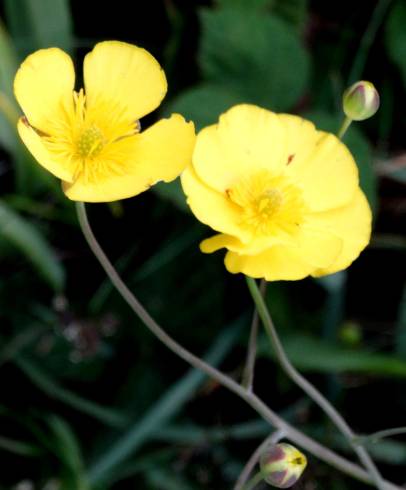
(163, 410)
(28, 240)
(48, 385)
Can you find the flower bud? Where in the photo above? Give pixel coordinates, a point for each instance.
(360, 101)
(282, 465)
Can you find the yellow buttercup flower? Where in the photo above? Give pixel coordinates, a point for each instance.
(284, 197)
(91, 139)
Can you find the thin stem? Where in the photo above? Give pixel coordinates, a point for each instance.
(381, 434)
(257, 478)
(248, 375)
(344, 126)
(308, 388)
(367, 40)
(248, 468)
(293, 434)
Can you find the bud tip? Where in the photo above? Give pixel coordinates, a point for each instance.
(282, 465)
(360, 101)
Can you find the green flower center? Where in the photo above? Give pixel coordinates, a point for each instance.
(90, 142)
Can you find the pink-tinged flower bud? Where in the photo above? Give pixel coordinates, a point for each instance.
(360, 101)
(282, 465)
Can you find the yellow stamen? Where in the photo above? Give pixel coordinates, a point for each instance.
(270, 204)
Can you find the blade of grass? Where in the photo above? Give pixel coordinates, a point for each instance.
(20, 448)
(27, 238)
(161, 412)
(40, 23)
(401, 327)
(367, 39)
(12, 348)
(48, 385)
(68, 450)
(168, 251)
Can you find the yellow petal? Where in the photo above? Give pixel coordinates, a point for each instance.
(246, 139)
(211, 207)
(321, 163)
(57, 166)
(43, 87)
(274, 265)
(165, 149)
(353, 224)
(216, 242)
(159, 153)
(126, 74)
(288, 262)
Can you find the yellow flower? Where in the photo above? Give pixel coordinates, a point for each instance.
(284, 196)
(92, 140)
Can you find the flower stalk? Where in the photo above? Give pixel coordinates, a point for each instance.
(249, 368)
(308, 388)
(255, 457)
(291, 433)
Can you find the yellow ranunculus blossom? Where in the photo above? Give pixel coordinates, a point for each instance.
(91, 139)
(284, 196)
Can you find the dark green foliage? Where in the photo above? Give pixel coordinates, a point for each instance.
(89, 399)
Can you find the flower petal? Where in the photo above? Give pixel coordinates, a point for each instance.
(246, 139)
(353, 224)
(117, 71)
(211, 207)
(34, 143)
(276, 264)
(43, 87)
(159, 153)
(321, 163)
(165, 149)
(216, 242)
(288, 262)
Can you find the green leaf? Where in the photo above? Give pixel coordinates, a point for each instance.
(360, 148)
(401, 327)
(9, 62)
(29, 175)
(24, 236)
(21, 448)
(40, 23)
(248, 5)
(293, 11)
(172, 191)
(308, 353)
(247, 52)
(68, 451)
(8, 68)
(396, 36)
(204, 103)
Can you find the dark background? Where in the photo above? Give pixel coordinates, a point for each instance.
(80, 375)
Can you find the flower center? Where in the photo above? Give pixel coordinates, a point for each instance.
(90, 142)
(268, 204)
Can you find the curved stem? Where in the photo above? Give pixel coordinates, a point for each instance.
(294, 435)
(248, 374)
(272, 439)
(381, 434)
(344, 126)
(367, 39)
(257, 478)
(308, 388)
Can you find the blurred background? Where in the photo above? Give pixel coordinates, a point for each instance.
(88, 398)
